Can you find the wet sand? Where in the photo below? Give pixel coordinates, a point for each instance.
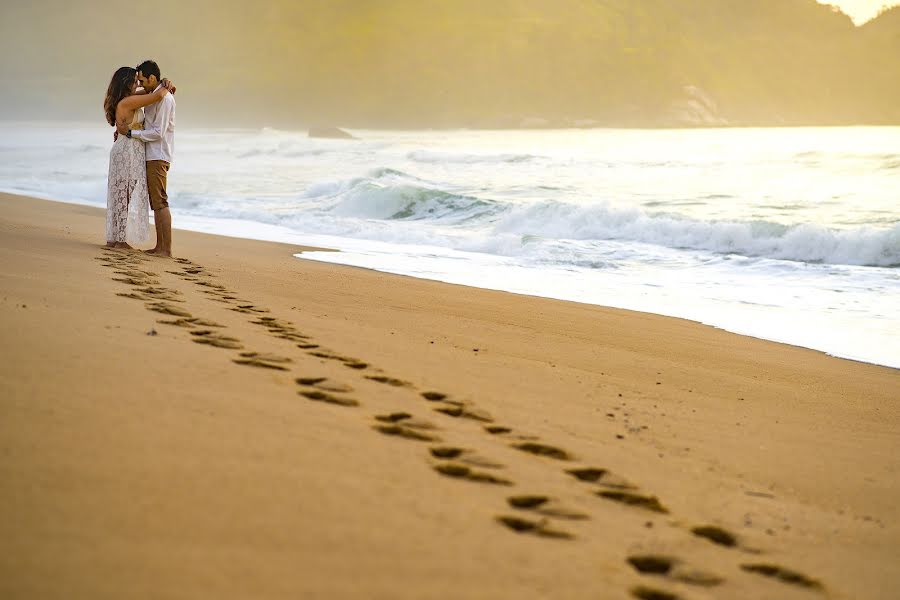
(241, 423)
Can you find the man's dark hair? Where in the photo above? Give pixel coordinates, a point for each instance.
(148, 68)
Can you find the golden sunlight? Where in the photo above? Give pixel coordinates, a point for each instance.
(861, 10)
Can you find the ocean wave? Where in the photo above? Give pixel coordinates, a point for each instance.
(429, 156)
(864, 246)
(408, 203)
(283, 151)
(390, 194)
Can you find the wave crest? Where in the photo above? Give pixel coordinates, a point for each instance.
(390, 194)
(862, 246)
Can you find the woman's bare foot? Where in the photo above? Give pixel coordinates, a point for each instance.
(110, 244)
(123, 245)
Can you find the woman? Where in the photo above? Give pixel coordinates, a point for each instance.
(127, 200)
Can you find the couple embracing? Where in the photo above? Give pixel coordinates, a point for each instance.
(141, 107)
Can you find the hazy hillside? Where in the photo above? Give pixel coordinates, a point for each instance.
(433, 63)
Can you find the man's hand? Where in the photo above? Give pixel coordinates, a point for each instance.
(121, 129)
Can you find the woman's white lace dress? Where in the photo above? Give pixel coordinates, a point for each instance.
(127, 200)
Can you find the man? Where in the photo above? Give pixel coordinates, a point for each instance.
(159, 135)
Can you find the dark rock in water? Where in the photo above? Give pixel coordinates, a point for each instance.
(329, 132)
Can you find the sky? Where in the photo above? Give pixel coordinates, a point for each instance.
(465, 63)
(860, 10)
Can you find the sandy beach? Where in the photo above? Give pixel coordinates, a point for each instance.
(240, 423)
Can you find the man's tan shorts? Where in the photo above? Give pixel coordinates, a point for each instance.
(157, 170)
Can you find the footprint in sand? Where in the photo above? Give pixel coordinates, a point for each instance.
(784, 575)
(674, 569)
(186, 277)
(404, 425)
(716, 535)
(546, 506)
(320, 396)
(137, 273)
(543, 450)
(132, 295)
(601, 477)
(168, 309)
(217, 340)
(507, 431)
(209, 284)
(264, 361)
(464, 455)
(160, 290)
(136, 280)
(464, 411)
(161, 293)
(327, 355)
(291, 336)
(189, 322)
(646, 593)
(407, 433)
(275, 325)
(634, 499)
(285, 331)
(353, 363)
(120, 256)
(406, 420)
(272, 322)
(458, 471)
(456, 408)
(389, 380)
(537, 528)
(249, 309)
(323, 383)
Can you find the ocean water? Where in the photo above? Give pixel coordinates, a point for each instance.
(791, 235)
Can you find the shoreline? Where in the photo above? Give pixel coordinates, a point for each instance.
(281, 234)
(559, 127)
(137, 458)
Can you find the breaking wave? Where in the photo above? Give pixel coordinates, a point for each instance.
(392, 195)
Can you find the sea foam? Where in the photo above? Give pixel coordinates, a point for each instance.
(392, 195)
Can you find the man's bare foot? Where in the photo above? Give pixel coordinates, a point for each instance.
(159, 253)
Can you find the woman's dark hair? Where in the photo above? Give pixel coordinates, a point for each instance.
(119, 87)
(148, 68)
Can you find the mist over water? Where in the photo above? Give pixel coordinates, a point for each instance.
(786, 234)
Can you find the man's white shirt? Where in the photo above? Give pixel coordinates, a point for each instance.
(159, 129)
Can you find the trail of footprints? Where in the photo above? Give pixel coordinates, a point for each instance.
(531, 514)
